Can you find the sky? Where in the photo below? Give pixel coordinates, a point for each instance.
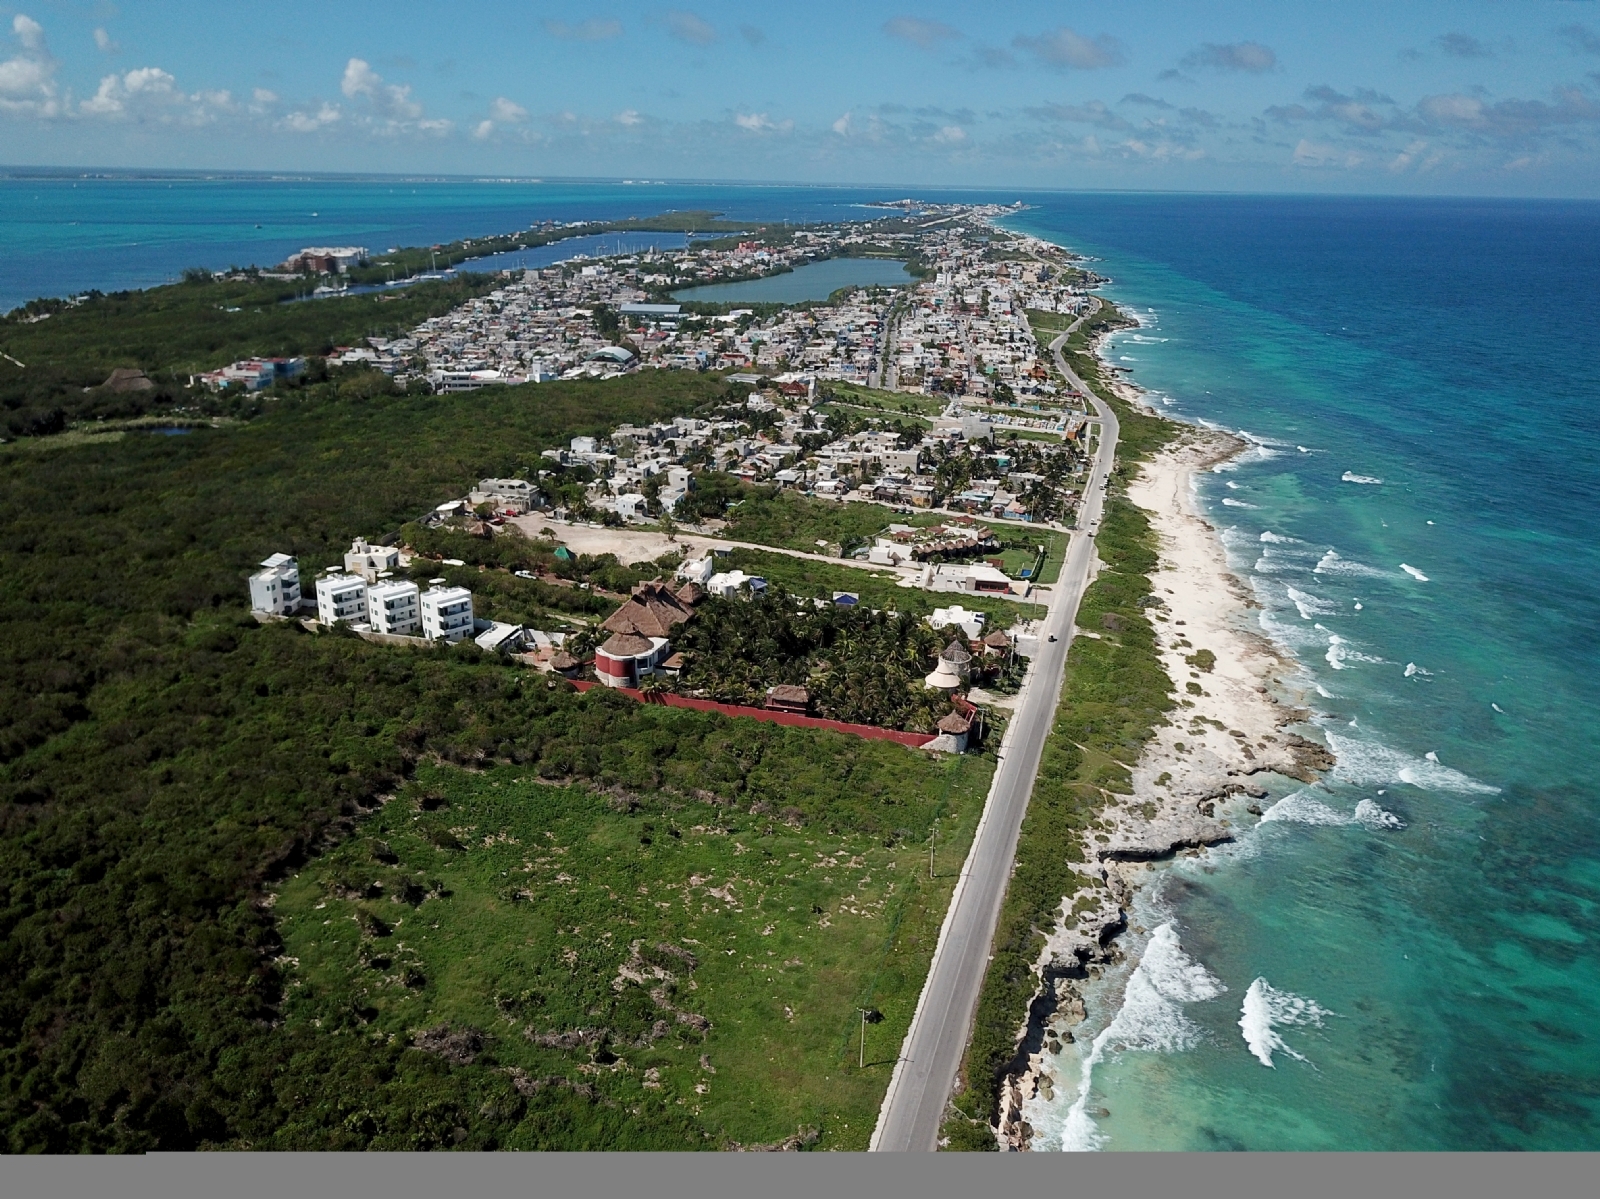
(1494, 97)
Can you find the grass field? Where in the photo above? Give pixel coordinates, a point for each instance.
(792, 521)
(910, 403)
(538, 914)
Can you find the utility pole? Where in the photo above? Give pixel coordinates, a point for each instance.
(869, 1015)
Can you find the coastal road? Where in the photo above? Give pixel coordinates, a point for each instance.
(914, 1107)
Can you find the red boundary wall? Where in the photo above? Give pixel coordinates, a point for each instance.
(793, 720)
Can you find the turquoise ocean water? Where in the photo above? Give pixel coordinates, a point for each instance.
(1424, 926)
(1424, 921)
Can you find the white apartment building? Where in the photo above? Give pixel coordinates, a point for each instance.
(394, 607)
(367, 560)
(275, 589)
(447, 613)
(341, 597)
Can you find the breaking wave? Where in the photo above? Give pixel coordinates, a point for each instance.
(1230, 502)
(1372, 764)
(1310, 605)
(1149, 1020)
(1300, 808)
(1414, 573)
(1266, 1009)
(1340, 655)
(1351, 477)
(1332, 564)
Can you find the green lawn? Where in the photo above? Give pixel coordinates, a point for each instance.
(774, 934)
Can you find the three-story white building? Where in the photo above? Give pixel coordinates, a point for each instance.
(275, 589)
(394, 607)
(447, 613)
(341, 597)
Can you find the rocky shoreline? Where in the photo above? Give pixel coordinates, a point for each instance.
(1196, 778)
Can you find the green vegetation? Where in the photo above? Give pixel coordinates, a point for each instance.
(860, 666)
(789, 520)
(674, 961)
(888, 402)
(809, 578)
(68, 350)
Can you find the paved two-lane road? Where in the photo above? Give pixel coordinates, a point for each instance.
(914, 1108)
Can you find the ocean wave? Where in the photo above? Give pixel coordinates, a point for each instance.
(1350, 476)
(1340, 655)
(1371, 763)
(1414, 573)
(1332, 564)
(1272, 538)
(1290, 635)
(1230, 502)
(1267, 1009)
(1300, 807)
(1413, 669)
(1310, 605)
(1150, 1020)
(1140, 339)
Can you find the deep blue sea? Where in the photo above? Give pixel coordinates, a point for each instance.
(1420, 380)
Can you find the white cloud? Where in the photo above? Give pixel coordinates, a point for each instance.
(27, 81)
(29, 32)
(842, 126)
(628, 118)
(262, 96)
(760, 122)
(309, 122)
(505, 110)
(388, 99)
(151, 94)
(951, 135)
(1065, 47)
(102, 39)
(482, 131)
(688, 27)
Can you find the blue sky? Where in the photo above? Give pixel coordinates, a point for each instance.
(1495, 97)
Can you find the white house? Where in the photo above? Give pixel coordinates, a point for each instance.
(275, 589)
(367, 560)
(696, 570)
(970, 623)
(447, 613)
(502, 638)
(341, 597)
(393, 607)
(512, 495)
(727, 583)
